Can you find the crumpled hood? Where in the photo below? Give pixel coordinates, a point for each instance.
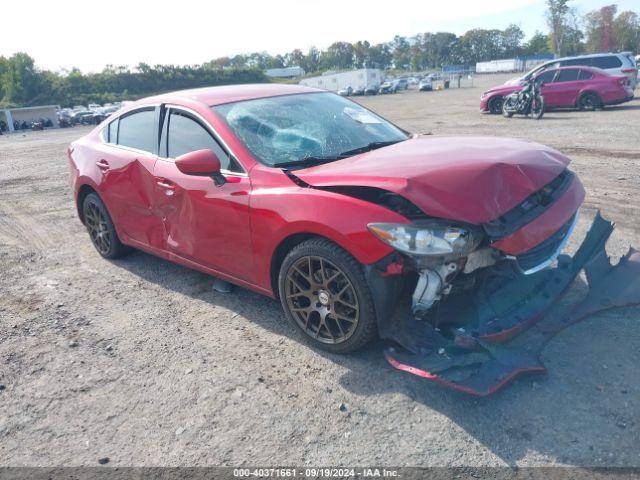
(469, 179)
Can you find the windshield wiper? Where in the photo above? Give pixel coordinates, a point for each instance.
(368, 147)
(311, 160)
(308, 162)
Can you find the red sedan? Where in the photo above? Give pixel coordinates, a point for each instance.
(585, 88)
(308, 197)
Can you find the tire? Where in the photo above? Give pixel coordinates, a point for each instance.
(101, 230)
(495, 105)
(589, 101)
(505, 112)
(537, 114)
(325, 295)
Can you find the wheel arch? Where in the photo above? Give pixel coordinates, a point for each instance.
(284, 247)
(583, 93)
(84, 190)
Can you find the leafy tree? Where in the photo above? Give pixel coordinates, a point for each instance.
(557, 20)
(401, 52)
(627, 32)
(361, 54)
(599, 29)
(512, 38)
(537, 44)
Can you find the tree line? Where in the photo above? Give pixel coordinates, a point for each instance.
(23, 84)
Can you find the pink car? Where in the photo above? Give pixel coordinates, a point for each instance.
(585, 88)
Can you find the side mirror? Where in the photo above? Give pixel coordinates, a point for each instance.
(201, 163)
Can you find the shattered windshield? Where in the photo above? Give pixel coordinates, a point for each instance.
(299, 129)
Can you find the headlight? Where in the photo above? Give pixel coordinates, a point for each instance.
(428, 240)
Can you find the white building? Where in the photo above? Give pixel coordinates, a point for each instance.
(288, 72)
(28, 114)
(353, 78)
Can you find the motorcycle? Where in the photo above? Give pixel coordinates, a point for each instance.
(528, 101)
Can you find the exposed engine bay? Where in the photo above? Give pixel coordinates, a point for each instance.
(478, 336)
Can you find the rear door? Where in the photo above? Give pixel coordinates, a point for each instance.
(563, 92)
(127, 162)
(546, 80)
(204, 223)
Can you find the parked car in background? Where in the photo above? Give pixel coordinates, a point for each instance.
(401, 84)
(84, 117)
(333, 216)
(425, 85)
(568, 87)
(613, 63)
(345, 92)
(358, 91)
(388, 87)
(371, 89)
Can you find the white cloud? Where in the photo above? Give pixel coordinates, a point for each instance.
(90, 35)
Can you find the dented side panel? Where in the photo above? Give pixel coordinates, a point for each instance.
(205, 223)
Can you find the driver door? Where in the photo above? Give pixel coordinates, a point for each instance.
(204, 223)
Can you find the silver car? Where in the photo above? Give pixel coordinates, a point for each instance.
(613, 63)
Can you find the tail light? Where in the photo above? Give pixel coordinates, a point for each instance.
(628, 70)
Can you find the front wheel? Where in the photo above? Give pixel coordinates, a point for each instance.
(537, 107)
(495, 105)
(507, 107)
(324, 294)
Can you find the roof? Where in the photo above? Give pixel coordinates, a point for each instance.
(235, 93)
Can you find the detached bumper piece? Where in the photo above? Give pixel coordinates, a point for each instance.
(499, 334)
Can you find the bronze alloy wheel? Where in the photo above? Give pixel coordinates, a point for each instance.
(98, 228)
(101, 229)
(322, 299)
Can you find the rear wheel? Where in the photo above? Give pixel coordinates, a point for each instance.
(325, 295)
(100, 227)
(495, 105)
(589, 101)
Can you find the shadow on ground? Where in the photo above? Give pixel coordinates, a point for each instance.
(550, 414)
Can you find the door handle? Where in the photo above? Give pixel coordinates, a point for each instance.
(102, 164)
(166, 184)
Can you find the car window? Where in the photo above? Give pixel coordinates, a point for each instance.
(546, 76)
(610, 61)
(585, 75)
(580, 61)
(185, 134)
(569, 75)
(291, 128)
(136, 130)
(112, 132)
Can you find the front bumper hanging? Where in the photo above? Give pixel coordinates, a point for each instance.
(499, 335)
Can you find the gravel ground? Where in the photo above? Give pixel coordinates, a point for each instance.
(138, 360)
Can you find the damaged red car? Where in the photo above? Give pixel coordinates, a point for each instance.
(310, 198)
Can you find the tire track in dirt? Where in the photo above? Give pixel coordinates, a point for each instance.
(24, 230)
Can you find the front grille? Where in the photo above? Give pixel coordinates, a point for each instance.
(532, 207)
(546, 250)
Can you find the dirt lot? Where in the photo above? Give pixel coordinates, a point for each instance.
(140, 361)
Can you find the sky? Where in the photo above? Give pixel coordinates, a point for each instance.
(89, 35)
